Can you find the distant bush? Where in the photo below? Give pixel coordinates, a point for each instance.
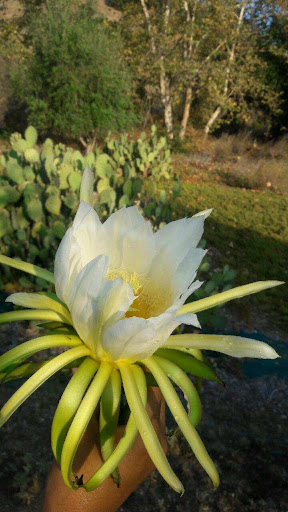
(73, 82)
(39, 190)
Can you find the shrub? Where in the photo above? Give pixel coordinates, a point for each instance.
(73, 82)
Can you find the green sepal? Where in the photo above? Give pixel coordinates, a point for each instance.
(31, 314)
(27, 267)
(80, 423)
(39, 378)
(221, 298)
(27, 369)
(184, 383)
(69, 403)
(146, 429)
(125, 442)
(109, 416)
(189, 364)
(27, 349)
(182, 419)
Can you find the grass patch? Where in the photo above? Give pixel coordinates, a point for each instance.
(251, 232)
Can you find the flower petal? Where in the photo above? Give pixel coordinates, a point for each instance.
(175, 243)
(136, 338)
(86, 189)
(138, 249)
(115, 229)
(94, 301)
(76, 249)
(129, 338)
(204, 213)
(185, 233)
(186, 270)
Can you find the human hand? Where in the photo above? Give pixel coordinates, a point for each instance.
(134, 468)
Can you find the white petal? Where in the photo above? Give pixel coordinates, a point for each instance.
(115, 229)
(136, 338)
(186, 270)
(76, 249)
(205, 213)
(84, 212)
(86, 189)
(168, 321)
(188, 319)
(85, 229)
(66, 264)
(185, 233)
(129, 338)
(122, 221)
(175, 241)
(94, 301)
(138, 249)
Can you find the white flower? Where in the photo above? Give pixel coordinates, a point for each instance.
(124, 287)
(123, 283)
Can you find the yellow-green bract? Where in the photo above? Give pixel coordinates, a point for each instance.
(120, 294)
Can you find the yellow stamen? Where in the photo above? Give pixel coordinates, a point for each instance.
(152, 300)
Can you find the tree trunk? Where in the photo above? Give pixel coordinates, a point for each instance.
(190, 20)
(186, 113)
(231, 59)
(166, 100)
(163, 79)
(212, 120)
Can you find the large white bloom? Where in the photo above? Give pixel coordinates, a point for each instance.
(125, 287)
(123, 283)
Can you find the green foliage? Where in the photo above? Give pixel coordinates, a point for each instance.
(252, 235)
(73, 81)
(216, 280)
(39, 196)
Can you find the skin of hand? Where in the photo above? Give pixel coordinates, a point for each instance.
(134, 468)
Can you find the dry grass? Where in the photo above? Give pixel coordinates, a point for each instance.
(237, 160)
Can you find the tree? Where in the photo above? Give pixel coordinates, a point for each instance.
(73, 82)
(181, 41)
(206, 56)
(240, 88)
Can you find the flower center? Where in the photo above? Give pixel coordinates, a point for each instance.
(129, 277)
(152, 299)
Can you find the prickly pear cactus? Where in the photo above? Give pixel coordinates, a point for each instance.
(39, 189)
